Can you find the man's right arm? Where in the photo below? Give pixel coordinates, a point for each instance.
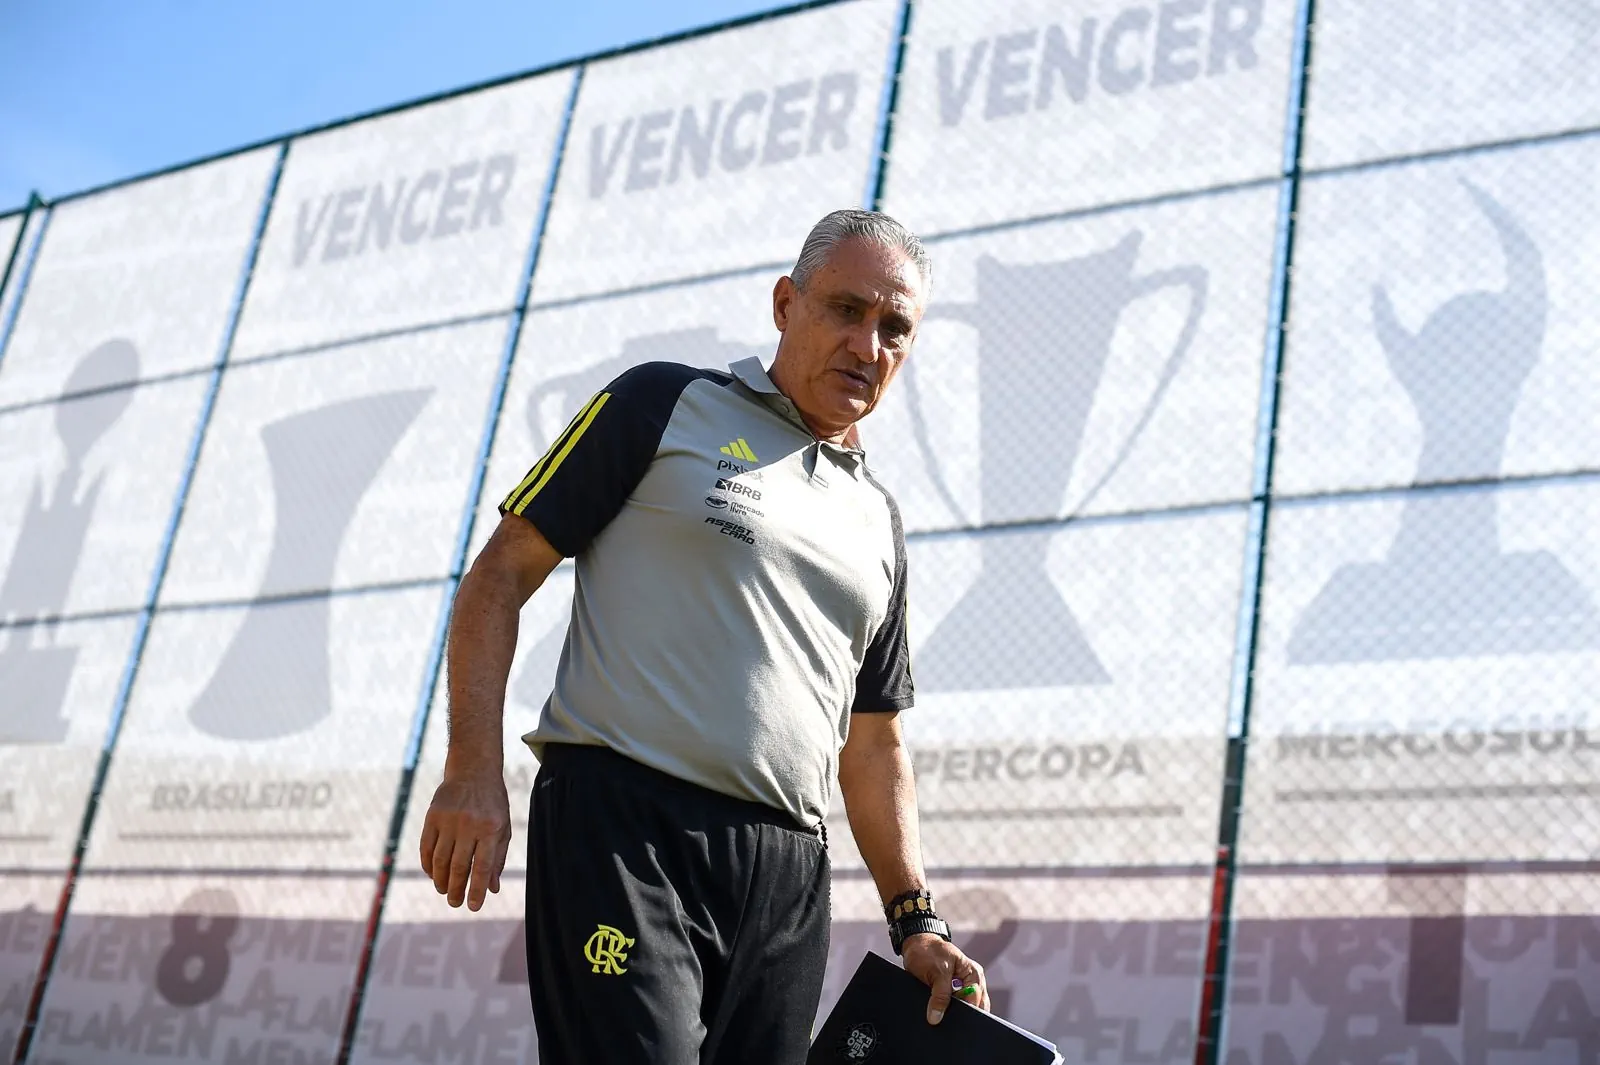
(570, 495)
(467, 829)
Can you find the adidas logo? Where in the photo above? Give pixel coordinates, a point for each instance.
(740, 450)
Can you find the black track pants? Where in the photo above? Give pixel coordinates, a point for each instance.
(668, 924)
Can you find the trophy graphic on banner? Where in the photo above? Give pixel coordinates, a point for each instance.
(273, 679)
(1446, 589)
(34, 670)
(692, 347)
(1045, 332)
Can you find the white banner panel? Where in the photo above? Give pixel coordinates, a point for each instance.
(1109, 967)
(1443, 322)
(1426, 677)
(87, 488)
(1028, 107)
(60, 685)
(1396, 79)
(28, 239)
(204, 968)
(717, 152)
(540, 635)
(1096, 365)
(27, 912)
(338, 469)
(447, 985)
(416, 217)
(268, 737)
(1072, 692)
(567, 354)
(1414, 965)
(156, 263)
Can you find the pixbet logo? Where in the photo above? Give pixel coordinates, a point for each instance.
(663, 147)
(1156, 45)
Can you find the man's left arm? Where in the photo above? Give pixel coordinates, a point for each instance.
(880, 793)
(880, 800)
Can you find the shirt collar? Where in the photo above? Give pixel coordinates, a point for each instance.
(750, 373)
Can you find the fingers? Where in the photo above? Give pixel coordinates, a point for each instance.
(461, 869)
(939, 1001)
(503, 846)
(430, 840)
(970, 974)
(465, 838)
(485, 861)
(443, 848)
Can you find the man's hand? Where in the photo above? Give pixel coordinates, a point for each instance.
(465, 837)
(942, 967)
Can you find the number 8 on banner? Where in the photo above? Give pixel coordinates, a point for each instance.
(193, 969)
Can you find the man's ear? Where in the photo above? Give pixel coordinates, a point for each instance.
(783, 296)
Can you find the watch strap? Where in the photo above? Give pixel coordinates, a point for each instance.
(918, 924)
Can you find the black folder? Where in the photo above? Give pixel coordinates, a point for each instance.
(882, 1019)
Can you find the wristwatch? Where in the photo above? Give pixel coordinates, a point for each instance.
(914, 925)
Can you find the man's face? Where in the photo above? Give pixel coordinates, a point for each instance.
(846, 333)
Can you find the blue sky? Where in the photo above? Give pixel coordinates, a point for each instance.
(96, 90)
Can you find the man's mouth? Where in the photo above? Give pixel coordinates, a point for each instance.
(861, 380)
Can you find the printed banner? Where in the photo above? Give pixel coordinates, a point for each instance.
(1072, 693)
(1029, 107)
(1442, 326)
(58, 688)
(26, 240)
(1109, 968)
(338, 469)
(1399, 79)
(451, 985)
(60, 683)
(448, 986)
(28, 903)
(718, 152)
(540, 636)
(87, 489)
(412, 218)
(155, 264)
(567, 354)
(269, 736)
(1093, 366)
(1424, 686)
(1414, 965)
(204, 968)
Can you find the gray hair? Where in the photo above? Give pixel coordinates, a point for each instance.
(873, 226)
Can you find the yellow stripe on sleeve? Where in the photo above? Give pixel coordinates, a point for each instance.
(510, 501)
(590, 413)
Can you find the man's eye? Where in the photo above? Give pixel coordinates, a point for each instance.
(845, 310)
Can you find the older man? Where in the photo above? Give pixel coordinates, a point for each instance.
(737, 643)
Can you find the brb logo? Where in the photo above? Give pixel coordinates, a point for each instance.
(1144, 44)
(664, 147)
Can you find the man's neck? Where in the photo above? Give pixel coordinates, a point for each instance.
(847, 436)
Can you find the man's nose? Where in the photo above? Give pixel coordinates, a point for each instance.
(864, 345)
